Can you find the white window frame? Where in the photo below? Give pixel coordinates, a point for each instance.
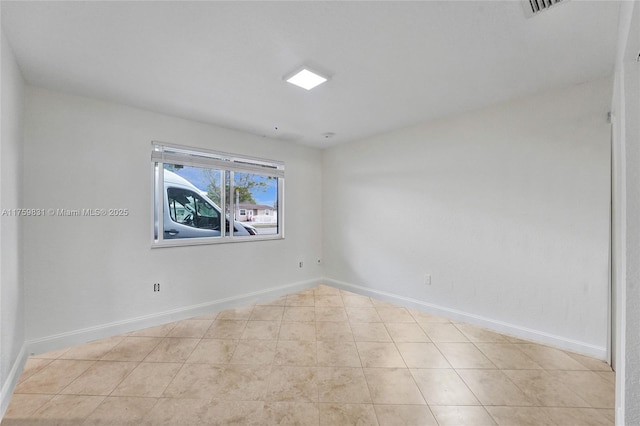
(162, 153)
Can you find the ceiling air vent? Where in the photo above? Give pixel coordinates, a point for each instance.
(533, 7)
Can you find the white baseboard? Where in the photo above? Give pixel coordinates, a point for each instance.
(76, 337)
(488, 323)
(12, 380)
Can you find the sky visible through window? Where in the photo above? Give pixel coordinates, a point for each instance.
(197, 177)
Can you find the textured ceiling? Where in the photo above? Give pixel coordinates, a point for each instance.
(392, 64)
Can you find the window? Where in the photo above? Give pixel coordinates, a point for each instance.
(197, 191)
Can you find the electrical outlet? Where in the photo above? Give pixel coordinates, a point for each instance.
(156, 287)
(427, 279)
(301, 264)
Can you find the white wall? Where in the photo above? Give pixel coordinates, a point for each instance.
(632, 341)
(507, 208)
(626, 104)
(92, 276)
(11, 291)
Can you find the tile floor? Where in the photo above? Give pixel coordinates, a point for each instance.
(318, 357)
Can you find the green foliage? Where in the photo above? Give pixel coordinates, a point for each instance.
(246, 184)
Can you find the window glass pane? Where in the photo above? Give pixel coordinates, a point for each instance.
(256, 202)
(192, 197)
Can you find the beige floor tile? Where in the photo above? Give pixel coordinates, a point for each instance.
(550, 358)
(443, 387)
(226, 329)
(307, 292)
(394, 314)
(93, 350)
(121, 411)
(443, 332)
(213, 351)
(608, 413)
(422, 355)
(478, 334)
(178, 411)
(333, 330)
(609, 376)
(261, 330)
(347, 414)
(267, 313)
(299, 314)
(292, 384)
(393, 386)
(297, 331)
(291, 414)
(592, 364)
(200, 381)
(577, 416)
(404, 415)
(32, 366)
(356, 301)
(425, 317)
(172, 349)
(338, 353)
(72, 408)
(406, 332)
(54, 377)
(464, 355)
(521, 416)
(100, 379)
(460, 416)
(328, 300)
(159, 331)
(382, 304)
(222, 413)
(301, 300)
(132, 349)
(260, 352)
(245, 383)
(22, 406)
(594, 389)
(514, 339)
(370, 332)
(190, 328)
(380, 354)
(242, 313)
(507, 356)
(344, 385)
(493, 387)
(147, 380)
(325, 290)
(544, 389)
(331, 313)
(367, 314)
(296, 352)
